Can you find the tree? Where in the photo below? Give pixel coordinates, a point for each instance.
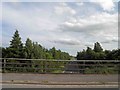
(3, 52)
(112, 55)
(48, 56)
(90, 54)
(16, 47)
(37, 51)
(118, 54)
(53, 52)
(0, 52)
(97, 47)
(81, 55)
(28, 49)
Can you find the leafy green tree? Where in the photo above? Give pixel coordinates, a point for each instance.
(90, 54)
(112, 55)
(36, 51)
(48, 56)
(81, 55)
(102, 55)
(108, 54)
(53, 52)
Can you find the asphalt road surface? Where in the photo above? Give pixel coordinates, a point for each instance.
(58, 80)
(59, 77)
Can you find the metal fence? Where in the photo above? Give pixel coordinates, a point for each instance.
(59, 66)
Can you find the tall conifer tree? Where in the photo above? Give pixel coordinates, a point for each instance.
(16, 46)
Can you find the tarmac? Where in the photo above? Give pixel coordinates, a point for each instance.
(23, 80)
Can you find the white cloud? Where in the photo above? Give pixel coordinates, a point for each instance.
(63, 8)
(107, 5)
(72, 34)
(79, 3)
(103, 19)
(10, 0)
(30, 20)
(1, 11)
(102, 26)
(67, 41)
(33, 22)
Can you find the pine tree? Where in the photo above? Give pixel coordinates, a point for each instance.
(28, 49)
(16, 46)
(97, 47)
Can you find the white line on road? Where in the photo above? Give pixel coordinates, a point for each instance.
(56, 86)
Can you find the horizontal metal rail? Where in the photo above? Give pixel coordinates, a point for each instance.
(69, 64)
(59, 66)
(60, 60)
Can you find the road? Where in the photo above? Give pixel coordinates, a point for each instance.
(50, 80)
(59, 77)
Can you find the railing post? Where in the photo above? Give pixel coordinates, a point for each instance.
(4, 64)
(44, 66)
(0, 64)
(84, 67)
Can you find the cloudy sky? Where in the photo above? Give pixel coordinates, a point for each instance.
(69, 26)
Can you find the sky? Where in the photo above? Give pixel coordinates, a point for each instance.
(69, 26)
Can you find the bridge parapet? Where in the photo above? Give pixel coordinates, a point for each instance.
(59, 66)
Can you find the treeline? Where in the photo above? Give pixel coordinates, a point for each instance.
(97, 53)
(31, 50)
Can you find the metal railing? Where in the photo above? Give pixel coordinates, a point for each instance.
(59, 66)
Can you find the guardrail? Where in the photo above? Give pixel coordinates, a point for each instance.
(59, 66)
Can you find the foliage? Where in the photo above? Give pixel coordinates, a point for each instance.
(97, 47)
(33, 50)
(15, 50)
(101, 70)
(98, 54)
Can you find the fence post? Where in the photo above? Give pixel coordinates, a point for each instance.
(84, 67)
(44, 66)
(4, 64)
